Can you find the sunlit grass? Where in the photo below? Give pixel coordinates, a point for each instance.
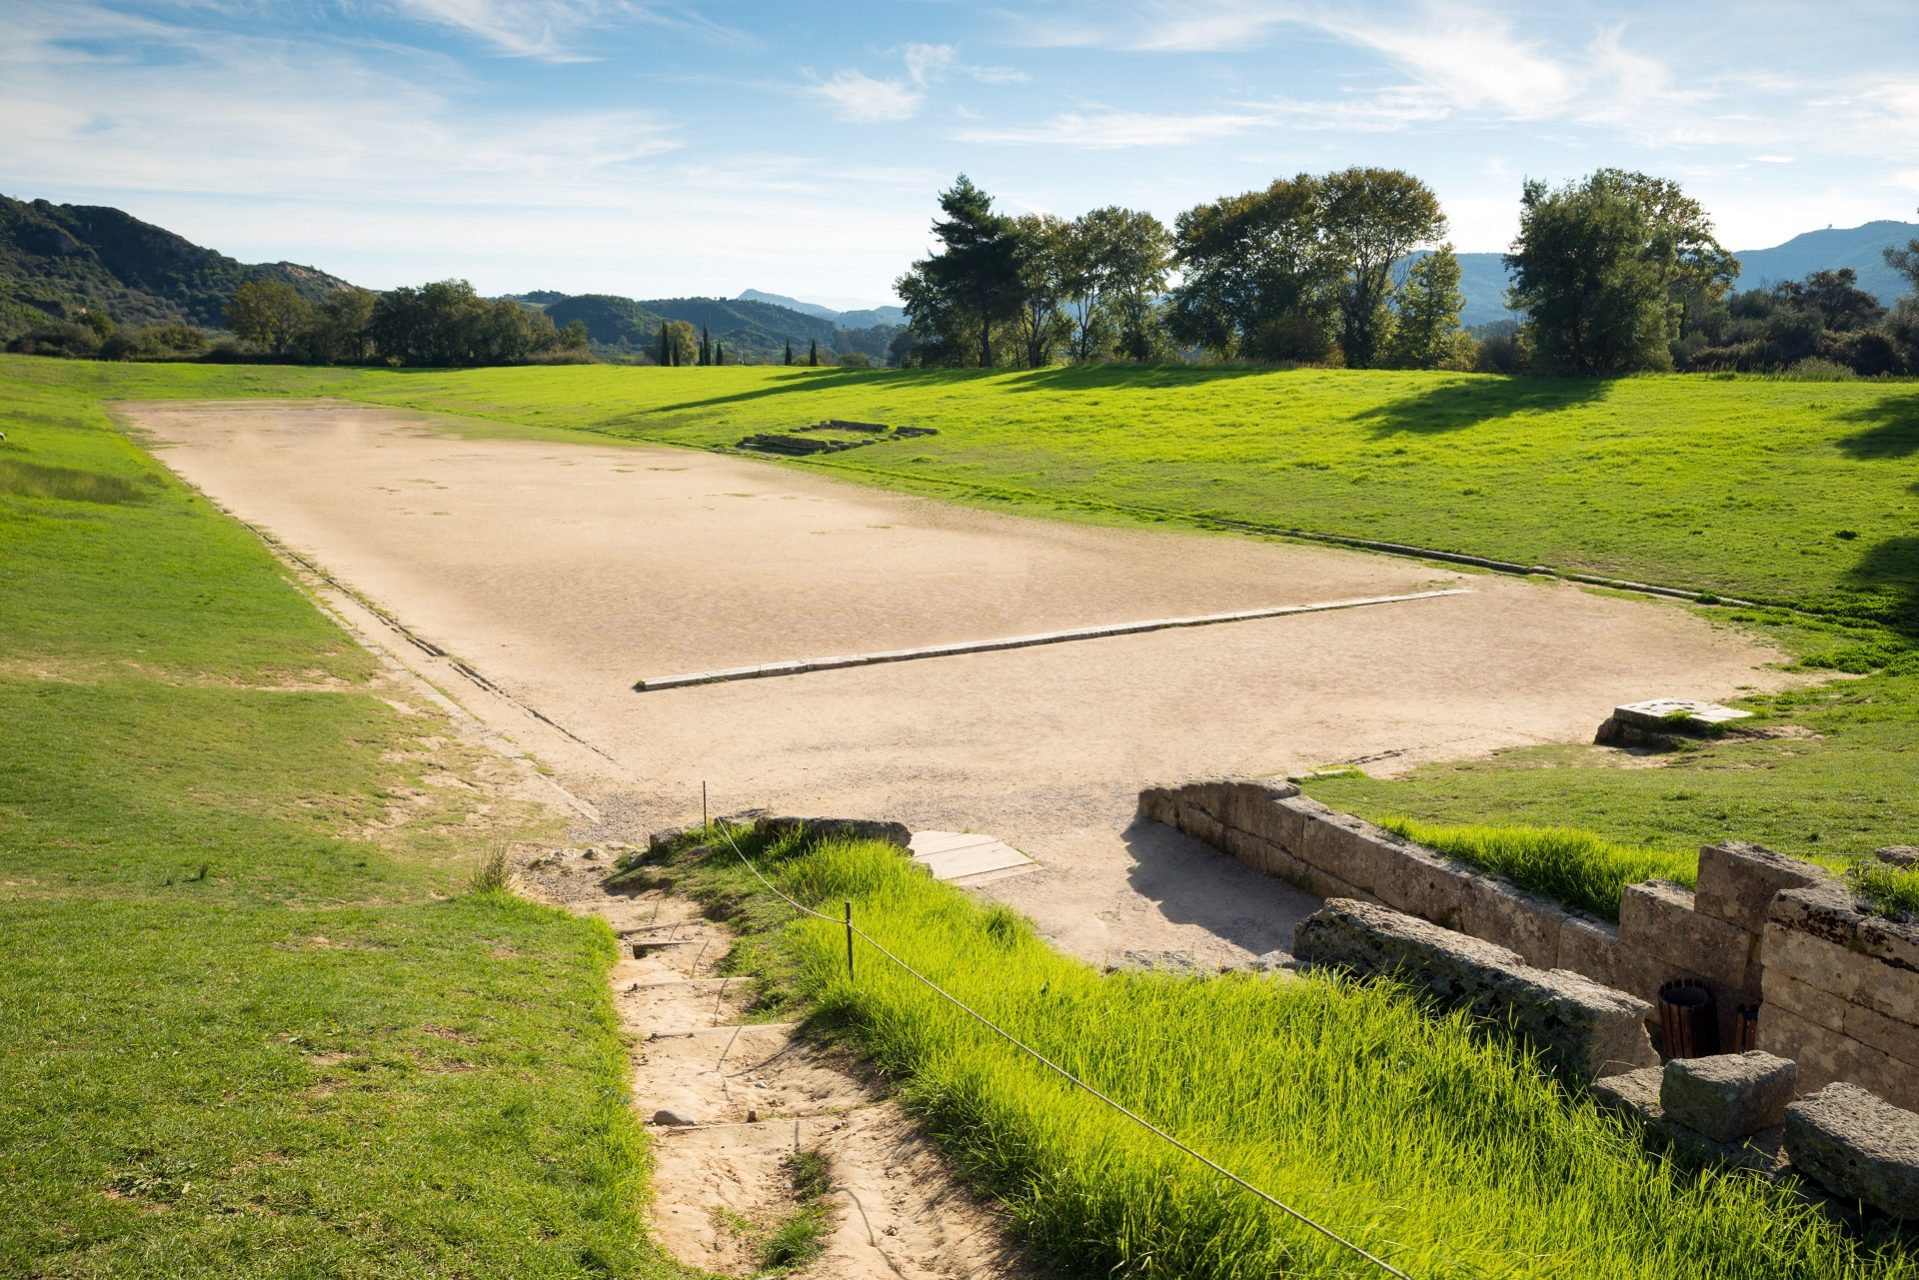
(1574, 868)
(1433, 1144)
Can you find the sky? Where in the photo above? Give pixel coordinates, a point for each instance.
(671, 149)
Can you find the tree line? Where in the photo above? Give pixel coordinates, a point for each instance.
(1614, 273)
(440, 325)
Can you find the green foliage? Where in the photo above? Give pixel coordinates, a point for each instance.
(240, 1037)
(1595, 299)
(1574, 868)
(1424, 1138)
(1253, 281)
(1371, 218)
(1117, 264)
(970, 286)
(1891, 891)
(1425, 331)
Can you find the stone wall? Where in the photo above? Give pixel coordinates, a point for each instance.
(1836, 990)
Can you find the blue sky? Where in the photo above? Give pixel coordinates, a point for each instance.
(677, 148)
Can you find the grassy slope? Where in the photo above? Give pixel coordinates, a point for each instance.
(1423, 1141)
(234, 1039)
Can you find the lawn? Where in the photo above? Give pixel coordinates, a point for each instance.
(1426, 1140)
(1786, 491)
(254, 1017)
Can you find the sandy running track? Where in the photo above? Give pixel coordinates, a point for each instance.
(563, 572)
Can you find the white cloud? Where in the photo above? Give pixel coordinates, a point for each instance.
(1112, 130)
(928, 62)
(1472, 59)
(860, 98)
(1158, 26)
(550, 30)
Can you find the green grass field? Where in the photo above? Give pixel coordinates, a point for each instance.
(239, 1034)
(1421, 1138)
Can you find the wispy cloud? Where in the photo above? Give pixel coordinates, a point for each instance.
(858, 97)
(552, 30)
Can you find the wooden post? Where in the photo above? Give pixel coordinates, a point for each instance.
(849, 941)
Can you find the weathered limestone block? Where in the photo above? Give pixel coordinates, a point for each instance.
(1422, 883)
(1857, 1145)
(1737, 881)
(1728, 1096)
(1872, 960)
(1256, 807)
(837, 828)
(1500, 911)
(1789, 994)
(1635, 1094)
(1581, 1029)
(1657, 918)
(1898, 855)
(1590, 947)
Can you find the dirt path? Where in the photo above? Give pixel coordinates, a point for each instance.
(547, 578)
(753, 1097)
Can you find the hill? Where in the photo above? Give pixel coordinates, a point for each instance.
(60, 260)
(752, 332)
(868, 318)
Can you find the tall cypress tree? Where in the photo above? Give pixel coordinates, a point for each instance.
(666, 349)
(706, 347)
(719, 353)
(813, 353)
(789, 351)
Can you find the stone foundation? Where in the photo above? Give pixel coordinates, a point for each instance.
(1833, 989)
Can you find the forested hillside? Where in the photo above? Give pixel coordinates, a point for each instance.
(62, 260)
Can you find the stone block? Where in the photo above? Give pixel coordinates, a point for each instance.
(1898, 855)
(1821, 1054)
(1806, 1001)
(1158, 804)
(1582, 1030)
(1339, 843)
(1738, 881)
(1897, 1040)
(1857, 1146)
(1635, 1095)
(1728, 1097)
(1421, 883)
(1810, 959)
(1589, 947)
(1678, 715)
(1657, 919)
(1876, 961)
(1501, 912)
(1196, 822)
(1254, 807)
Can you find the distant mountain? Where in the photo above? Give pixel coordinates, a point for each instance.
(1861, 248)
(1482, 276)
(863, 319)
(610, 322)
(751, 331)
(61, 260)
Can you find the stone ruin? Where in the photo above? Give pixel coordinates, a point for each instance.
(1811, 993)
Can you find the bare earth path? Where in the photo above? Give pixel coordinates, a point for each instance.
(562, 573)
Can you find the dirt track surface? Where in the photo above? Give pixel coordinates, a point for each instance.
(562, 573)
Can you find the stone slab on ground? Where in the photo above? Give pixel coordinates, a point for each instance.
(838, 828)
(953, 855)
(1728, 1096)
(1584, 1030)
(1676, 715)
(1857, 1145)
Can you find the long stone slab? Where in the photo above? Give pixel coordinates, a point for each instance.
(1581, 1029)
(952, 855)
(766, 670)
(1858, 1146)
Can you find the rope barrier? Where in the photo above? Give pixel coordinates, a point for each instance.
(853, 931)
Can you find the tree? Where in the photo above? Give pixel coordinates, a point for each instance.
(1044, 255)
(970, 285)
(1117, 269)
(1370, 219)
(719, 353)
(1603, 269)
(268, 312)
(1425, 332)
(789, 352)
(682, 342)
(706, 347)
(665, 353)
(1255, 281)
(573, 336)
(813, 353)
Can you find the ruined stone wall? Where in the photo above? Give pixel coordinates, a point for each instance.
(1836, 990)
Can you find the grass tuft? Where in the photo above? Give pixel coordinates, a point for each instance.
(495, 872)
(1890, 891)
(1574, 868)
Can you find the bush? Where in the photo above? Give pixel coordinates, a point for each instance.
(1867, 352)
(119, 345)
(1820, 369)
(59, 338)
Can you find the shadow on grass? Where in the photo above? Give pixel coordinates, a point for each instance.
(1102, 377)
(1455, 406)
(797, 382)
(1886, 583)
(1892, 428)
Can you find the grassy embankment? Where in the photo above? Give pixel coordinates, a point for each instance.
(253, 1018)
(1434, 1146)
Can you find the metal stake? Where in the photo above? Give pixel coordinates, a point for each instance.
(849, 941)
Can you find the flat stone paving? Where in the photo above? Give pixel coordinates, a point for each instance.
(953, 855)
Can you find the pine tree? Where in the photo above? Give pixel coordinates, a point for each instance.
(813, 354)
(789, 353)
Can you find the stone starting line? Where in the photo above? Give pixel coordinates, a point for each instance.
(769, 670)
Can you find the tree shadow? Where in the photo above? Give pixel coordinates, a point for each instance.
(1892, 428)
(1886, 581)
(799, 381)
(1454, 406)
(1100, 377)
